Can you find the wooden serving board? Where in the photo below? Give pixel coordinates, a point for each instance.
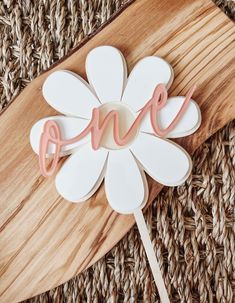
(45, 240)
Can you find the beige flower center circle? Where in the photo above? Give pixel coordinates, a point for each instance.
(126, 119)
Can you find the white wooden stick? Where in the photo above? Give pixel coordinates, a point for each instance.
(151, 256)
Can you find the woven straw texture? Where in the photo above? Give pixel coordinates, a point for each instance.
(192, 226)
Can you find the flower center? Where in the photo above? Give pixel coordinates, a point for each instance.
(126, 119)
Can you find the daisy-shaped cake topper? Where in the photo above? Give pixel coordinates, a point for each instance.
(115, 129)
(121, 166)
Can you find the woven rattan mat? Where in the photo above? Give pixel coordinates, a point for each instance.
(192, 226)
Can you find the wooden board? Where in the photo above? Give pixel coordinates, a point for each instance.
(45, 240)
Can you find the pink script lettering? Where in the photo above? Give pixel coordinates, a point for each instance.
(52, 135)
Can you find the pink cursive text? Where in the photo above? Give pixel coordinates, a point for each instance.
(52, 135)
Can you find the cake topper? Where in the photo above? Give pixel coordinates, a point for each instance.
(115, 129)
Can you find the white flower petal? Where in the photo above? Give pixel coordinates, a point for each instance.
(69, 94)
(125, 183)
(165, 161)
(81, 174)
(146, 75)
(106, 72)
(187, 125)
(69, 126)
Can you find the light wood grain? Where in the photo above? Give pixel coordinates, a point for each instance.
(45, 240)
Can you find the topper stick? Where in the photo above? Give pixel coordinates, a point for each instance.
(148, 246)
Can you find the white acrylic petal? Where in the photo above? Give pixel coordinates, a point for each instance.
(165, 161)
(187, 125)
(106, 72)
(69, 94)
(146, 75)
(125, 184)
(81, 174)
(69, 126)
